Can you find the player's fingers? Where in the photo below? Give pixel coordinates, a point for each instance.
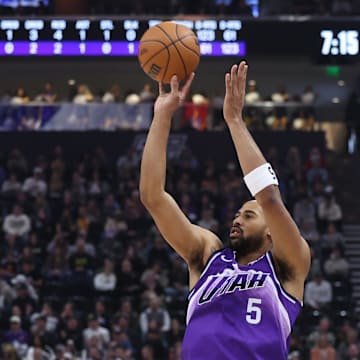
(243, 81)
(234, 80)
(187, 85)
(161, 88)
(241, 75)
(174, 84)
(227, 83)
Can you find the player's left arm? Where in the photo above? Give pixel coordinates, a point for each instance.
(288, 245)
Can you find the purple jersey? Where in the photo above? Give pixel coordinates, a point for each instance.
(238, 312)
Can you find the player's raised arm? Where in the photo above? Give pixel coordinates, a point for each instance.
(287, 244)
(187, 239)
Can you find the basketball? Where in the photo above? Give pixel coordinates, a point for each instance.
(169, 49)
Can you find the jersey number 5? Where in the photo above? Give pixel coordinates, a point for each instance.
(253, 311)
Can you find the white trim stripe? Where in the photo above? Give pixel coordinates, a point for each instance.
(208, 264)
(277, 280)
(282, 309)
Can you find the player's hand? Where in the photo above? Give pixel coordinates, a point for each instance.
(168, 103)
(235, 84)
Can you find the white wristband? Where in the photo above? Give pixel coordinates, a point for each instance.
(259, 178)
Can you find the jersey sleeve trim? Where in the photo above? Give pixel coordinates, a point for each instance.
(288, 296)
(210, 260)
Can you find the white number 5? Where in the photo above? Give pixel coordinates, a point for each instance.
(253, 311)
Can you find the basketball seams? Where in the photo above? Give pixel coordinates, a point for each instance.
(164, 40)
(186, 46)
(173, 43)
(158, 52)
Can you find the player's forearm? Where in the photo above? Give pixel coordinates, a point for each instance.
(248, 153)
(153, 164)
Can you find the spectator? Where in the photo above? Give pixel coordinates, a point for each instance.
(20, 97)
(323, 329)
(83, 95)
(332, 238)
(95, 330)
(16, 336)
(105, 281)
(10, 186)
(336, 267)
(316, 167)
(318, 293)
(35, 185)
(146, 94)
(47, 94)
(113, 95)
(154, 316)
(329, 211)
(351, 339)
(323, 350)
(304, 208)
(17, 223)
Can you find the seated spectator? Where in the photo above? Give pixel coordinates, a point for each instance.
(11, 186)
(318, 293)
(154, 315)
(323, 350)
(81, 265)
(127, 280)
(16, 336)
(332, 238)
(17, 223)
(7, 295)
(304, 208)
(20, 97)
(113, 95)
(252, 94)
(316, 167)
(105, 281)
(329, 211)
(71, 330)
(146, 94)
(336, 267)
(47, 94)
(38, 329)
(35, 184)
(349, 347)
(83, 95)
(95, 330)
(324, 328)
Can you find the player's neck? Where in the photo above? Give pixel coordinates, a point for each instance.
(248, 258)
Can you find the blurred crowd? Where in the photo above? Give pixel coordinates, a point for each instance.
(248, 8)
(279, 110)
(84, 274)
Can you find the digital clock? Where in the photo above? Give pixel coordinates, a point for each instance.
(108, 37)
(344, 42)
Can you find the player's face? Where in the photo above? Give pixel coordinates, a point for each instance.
(248, 231)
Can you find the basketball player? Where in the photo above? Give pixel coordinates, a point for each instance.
(245, 297)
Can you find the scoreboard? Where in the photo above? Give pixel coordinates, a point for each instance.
(323, 41)
(107, 37)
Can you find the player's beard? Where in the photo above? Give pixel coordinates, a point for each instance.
(244, 245)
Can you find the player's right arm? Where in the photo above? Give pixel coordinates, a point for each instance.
(193, 243)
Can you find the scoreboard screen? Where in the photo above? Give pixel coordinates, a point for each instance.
(323, 41)
(107, 37)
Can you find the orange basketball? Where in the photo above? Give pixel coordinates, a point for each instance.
(169, 49)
